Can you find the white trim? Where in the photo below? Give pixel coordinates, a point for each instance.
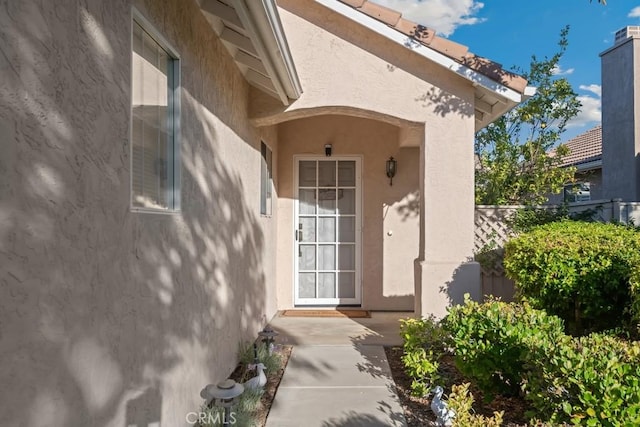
(259, 41)
(145, 23)
(273, 16)
(358, 233)
(422, 50)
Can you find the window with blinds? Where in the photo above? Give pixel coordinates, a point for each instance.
(266, 180)
(155, 115)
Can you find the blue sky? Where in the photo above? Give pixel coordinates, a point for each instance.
(509, 32)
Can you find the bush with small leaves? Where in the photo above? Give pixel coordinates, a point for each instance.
(461, 401)
(424, 343)
(490, 339)
(588, 274)
(592, 381)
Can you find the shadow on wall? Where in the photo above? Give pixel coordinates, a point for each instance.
(108, 316)
(461, 282)
(409, 207)
(444, 101)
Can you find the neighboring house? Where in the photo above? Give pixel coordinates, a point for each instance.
(607, 157)
(176, 171)
(585, 154)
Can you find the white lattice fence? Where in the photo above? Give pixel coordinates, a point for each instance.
(491, 232)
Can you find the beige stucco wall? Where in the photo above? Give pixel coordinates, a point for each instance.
(108, 317)
(347, 70)
(387, 260)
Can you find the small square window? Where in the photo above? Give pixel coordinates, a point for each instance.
(155, 164)
(266, 180)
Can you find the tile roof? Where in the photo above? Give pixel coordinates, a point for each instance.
(427, 37)
(586, 147)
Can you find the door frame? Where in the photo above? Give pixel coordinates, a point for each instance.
(329, 302)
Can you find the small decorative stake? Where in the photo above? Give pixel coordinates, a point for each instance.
(268, 336)
(445, 416)
(255, 354)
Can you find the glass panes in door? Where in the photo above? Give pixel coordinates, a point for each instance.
(327, 232)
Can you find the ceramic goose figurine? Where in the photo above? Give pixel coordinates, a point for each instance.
(440, 408)
(259, 380)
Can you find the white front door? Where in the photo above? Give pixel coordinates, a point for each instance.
(327, 234)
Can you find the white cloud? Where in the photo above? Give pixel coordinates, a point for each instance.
(593, 88)
(590, 111)
(635, 12)
(444, 16)
(558, 71)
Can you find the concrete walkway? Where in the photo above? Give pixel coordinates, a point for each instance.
(338, 373)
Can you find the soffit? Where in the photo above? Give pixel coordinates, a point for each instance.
(256, 53)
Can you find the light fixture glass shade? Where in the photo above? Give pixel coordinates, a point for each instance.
(226, 390)
(392, 165)
(268, 332)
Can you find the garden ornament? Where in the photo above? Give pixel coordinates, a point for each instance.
(259, 380)
(445, 416)
(223, 394)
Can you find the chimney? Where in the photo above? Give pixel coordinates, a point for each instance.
(626, 32)
(621, 116)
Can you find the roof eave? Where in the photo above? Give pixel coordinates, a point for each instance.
(593, 164)
(263, 22)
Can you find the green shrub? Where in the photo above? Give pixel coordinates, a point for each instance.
(424, 343)
(490, 340)
(525, 219)
(585, 273)
(592, 380)
(461, 401)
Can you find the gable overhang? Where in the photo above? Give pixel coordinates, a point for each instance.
(252, 33)
(590, 165)
(492, 99)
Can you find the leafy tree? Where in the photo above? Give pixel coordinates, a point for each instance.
(516, 164)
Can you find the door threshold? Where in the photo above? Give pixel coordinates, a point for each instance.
(325, 313)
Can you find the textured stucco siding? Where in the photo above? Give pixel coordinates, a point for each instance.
(621, 121)
(108, 317)
(389, 213)
(347, 70)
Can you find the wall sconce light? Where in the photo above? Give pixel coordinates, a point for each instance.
(327, 150)
(392, 168)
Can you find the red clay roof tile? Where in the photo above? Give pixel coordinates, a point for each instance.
(586, 147)
(381, 13)
(417, 31)
(450, 48)
(427, 37)
(353, 3)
